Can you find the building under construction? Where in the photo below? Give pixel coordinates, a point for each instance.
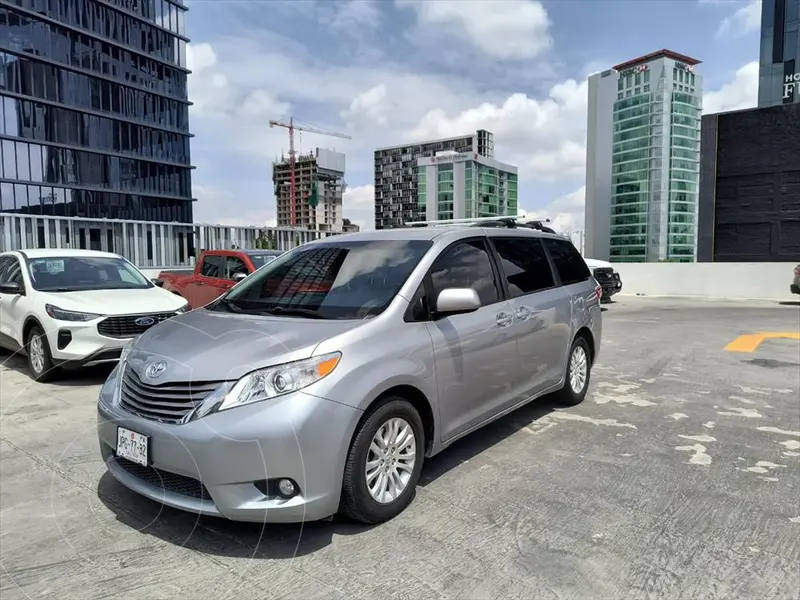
(319, 185)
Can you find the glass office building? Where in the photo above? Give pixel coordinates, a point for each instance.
(453, 185)
(779, 65)
(94, 109)
(643, 160)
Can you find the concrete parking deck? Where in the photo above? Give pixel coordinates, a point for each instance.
(679, 477)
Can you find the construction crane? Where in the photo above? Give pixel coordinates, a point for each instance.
(292, 128)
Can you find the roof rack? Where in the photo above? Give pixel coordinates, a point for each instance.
(508, 221)
(472, 221)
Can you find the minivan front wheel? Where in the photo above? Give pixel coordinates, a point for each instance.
(384, 463)
(579, 368)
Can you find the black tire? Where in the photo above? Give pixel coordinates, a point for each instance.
(356, 502)
(567, 396)
(49, 371)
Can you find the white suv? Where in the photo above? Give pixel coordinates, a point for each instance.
(74, 308)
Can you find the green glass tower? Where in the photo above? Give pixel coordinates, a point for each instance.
(455, 185)
(644, 160)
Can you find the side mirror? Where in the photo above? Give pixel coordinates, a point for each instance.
(454, 301)
(237, 277)
(15, 289)
(158, 282)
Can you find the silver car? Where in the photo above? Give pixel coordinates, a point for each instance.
(321, 382)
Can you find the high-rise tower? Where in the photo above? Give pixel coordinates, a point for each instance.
(643, 162)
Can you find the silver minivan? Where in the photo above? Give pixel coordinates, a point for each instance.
(320, 383)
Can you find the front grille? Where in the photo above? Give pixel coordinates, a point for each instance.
(164, 480)
(168, 403)
(126, 327)
(604, 275)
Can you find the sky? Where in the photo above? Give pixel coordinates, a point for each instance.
(386, 72)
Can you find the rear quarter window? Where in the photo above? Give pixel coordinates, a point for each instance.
(568, 261)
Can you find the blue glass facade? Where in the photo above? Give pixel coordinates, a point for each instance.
(94, 109)
(779, 67)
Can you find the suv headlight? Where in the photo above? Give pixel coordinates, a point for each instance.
(279, 380)
(59, 314)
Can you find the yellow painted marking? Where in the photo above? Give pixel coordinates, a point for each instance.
(751, 341)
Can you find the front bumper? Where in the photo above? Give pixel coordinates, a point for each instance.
(84, 345)
(610, 290)
(211, 466)
(611, 287)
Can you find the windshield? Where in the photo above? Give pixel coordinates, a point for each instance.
(346, 280)
(82, 273)
(259, 260)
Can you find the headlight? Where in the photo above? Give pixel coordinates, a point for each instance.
(59, 314)
(279, 380)
(183, 309)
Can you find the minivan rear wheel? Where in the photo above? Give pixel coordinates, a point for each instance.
(384, 463)
(579, 369)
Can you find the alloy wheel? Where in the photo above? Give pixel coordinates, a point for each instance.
(390, 460)
(36, 350)
(578, 369)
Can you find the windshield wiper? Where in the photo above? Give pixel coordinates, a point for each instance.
(230, 305)
(294, 312)
(63, 289)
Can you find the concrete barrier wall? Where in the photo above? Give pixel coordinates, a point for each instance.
(769, 281)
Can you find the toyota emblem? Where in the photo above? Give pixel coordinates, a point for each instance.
(145, 321)
(155, 370)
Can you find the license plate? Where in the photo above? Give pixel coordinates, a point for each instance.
(132, 445)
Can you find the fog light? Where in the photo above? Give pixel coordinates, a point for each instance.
(64, 338)
(286, 488)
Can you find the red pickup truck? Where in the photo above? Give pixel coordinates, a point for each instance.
(216, 272)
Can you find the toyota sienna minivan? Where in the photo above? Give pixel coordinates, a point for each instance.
(320, 383)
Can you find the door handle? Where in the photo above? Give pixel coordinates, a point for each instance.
(523, 313)
(504, 319)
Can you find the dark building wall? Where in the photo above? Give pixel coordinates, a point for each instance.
(750, 187)
(708, 185)
(94, 109)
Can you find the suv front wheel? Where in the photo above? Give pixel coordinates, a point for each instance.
(384, 463)
(40, 361)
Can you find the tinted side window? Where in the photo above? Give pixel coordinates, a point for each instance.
(524, 264)
(466, 265)
(4, 262)
(569, 262)
(235, 265)
(418, 307)
(213, 266)
(14, 272)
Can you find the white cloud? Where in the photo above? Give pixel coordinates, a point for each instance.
(218, 205)
(355, 15)
(566, 213)
(503, 29)
(544, 138)
(743, 20)
(371, 105)
(358, 205)
(738, 94)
